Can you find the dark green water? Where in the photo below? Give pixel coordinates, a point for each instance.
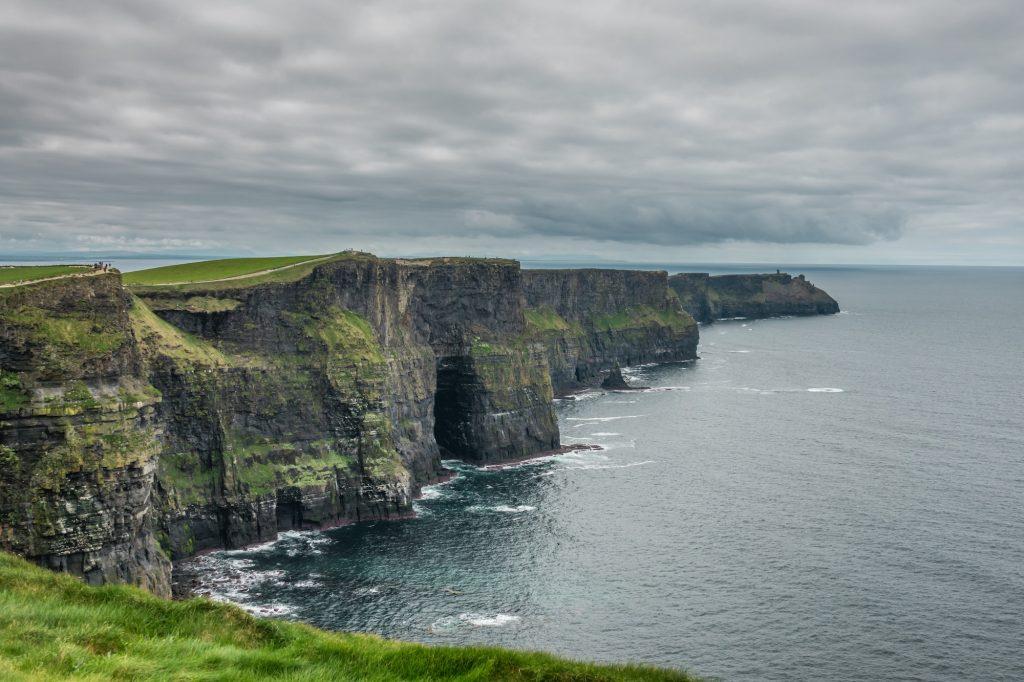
(742, 520)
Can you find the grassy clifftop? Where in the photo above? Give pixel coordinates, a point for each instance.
(13, 274)
(53, 627)
(215, 270)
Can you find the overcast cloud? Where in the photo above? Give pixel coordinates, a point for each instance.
(865, 131)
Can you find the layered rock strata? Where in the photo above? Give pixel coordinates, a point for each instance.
(590, 320)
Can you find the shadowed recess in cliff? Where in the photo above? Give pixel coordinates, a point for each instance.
(493, 404)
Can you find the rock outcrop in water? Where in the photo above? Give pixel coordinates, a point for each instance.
(616, 382)
(709, 298)
(143, 426)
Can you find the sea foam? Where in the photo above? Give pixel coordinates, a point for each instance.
(480, 620)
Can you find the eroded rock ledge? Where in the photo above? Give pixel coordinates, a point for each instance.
(142, 426)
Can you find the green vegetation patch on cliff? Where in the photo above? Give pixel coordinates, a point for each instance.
(158, 337)
(54, 627)
(512, 375)
(27, 273)
(12, 395)
(93, 447)
(266, 467)
(347, 335)
(643, 316)
(66, 339)
(546, 319)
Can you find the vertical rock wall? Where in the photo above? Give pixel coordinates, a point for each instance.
(78, 434)
(591, 320)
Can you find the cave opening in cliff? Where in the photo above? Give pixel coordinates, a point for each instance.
(453, 406)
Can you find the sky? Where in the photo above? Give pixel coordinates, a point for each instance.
(668, 131)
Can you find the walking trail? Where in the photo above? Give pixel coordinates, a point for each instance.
(93, 273)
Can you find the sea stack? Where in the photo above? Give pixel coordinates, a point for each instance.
(615, 381)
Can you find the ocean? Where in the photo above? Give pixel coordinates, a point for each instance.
(832, 497)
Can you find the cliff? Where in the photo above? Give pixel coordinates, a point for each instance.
(79, 434)
(147, 424)
(591, 320)
(159, 423)
(333, 397)
(709, 298)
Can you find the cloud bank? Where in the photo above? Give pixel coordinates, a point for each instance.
(410, 126)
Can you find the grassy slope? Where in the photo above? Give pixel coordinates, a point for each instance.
(54, 627)
(27, 273)
(210, 270)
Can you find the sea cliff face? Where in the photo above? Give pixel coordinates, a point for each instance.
(144, 425)
(708, 298)
(591, 320)
(79, 434)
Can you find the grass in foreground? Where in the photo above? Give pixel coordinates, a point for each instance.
(27, 273)
(54, 627)
(209, 270)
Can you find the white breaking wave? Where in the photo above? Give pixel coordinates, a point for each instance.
(434, 491)
(584, 396)
(504, 508)
(311, 538)
(273, 610)
(605, 433)
(593, 467)
(483, 621)
(602, 419)
(825, 390)
(365, 591)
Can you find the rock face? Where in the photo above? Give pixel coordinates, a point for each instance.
(79, 435)
(709, 298)
(591, 320)
(142, 426)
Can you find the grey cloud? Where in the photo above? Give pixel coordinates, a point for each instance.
(267, 126)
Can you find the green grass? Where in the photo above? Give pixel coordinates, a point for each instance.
(636, 317)
(27, 273)
(545, 319)
(208, 270)
(54, 627)
(12, 395)
(163, 338)
(63, 340)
